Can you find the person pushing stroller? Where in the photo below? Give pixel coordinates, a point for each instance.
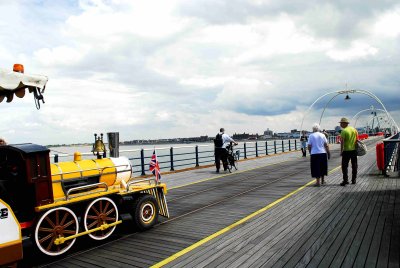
(221, 141)
(304, 140)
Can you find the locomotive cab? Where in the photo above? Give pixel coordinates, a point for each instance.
(25, 179)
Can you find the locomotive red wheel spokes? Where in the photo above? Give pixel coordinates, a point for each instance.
(56, 223)
(101, 211)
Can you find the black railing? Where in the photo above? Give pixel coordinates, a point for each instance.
(172, 158)
(391, 153)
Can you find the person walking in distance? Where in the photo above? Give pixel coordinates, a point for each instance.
(348, 151)
(319, 151)
(303, 140)
(220, 142)
(325, 133)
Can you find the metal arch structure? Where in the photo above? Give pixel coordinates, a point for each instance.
(357, 115)
(352, 91)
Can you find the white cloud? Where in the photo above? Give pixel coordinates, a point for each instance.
(152, 69)
(61, 55)
(101, 20)
(387, 25)
(357, 50)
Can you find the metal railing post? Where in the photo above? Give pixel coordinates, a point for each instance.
(245, 152)
(266, 148)
(283, 146)
(295, 145)
(142, 161)
(197, 155)
(289, 146)
(275, 146)
(171, 157)
(256, 149)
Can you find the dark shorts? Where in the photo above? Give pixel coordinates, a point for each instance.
(319, 165)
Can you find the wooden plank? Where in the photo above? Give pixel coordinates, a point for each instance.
(269, 253)
(135, 247)
(325, 252)
(188, 260)
(360, 232)
(387, 212)
(306, 248)
(310, 245)
(80, 261)
(74, 262)
(346, 236)
(113, 258)
(373, 252)
(366, 241)
(138, 251)
(394, 254)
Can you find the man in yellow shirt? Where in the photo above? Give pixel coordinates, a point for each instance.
(348, 151)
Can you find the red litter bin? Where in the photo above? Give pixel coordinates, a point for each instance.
(380, 156)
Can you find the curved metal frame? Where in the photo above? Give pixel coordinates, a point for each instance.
(357, 115)
(365, 92)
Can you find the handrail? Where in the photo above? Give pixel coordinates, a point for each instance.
(99, 169)
(391, 153)
(85, 187)
(192, 156)
(130, 183)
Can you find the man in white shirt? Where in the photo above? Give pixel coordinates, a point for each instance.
(220, 150)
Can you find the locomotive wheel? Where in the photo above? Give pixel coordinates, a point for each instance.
(56, 223)
(145, 213)
(101, 211)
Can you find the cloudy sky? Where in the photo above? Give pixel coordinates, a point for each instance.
(162, 69)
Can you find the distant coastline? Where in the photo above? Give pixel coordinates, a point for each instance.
(172, 141)
(266, 136)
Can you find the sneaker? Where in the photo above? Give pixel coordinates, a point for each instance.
(343, 183)
(353, 181)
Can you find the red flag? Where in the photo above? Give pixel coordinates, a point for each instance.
(155, 167)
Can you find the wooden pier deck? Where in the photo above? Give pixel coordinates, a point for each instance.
(267, 214)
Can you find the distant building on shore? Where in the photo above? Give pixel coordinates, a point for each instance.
(268, 134)
(245, 136)
(171, 140)
(294, 133)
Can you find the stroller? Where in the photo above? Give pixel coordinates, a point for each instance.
(233, 157)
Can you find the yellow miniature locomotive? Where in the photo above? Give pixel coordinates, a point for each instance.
(56, 203)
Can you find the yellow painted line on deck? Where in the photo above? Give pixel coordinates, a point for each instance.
(227, 174)
(230, 227)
